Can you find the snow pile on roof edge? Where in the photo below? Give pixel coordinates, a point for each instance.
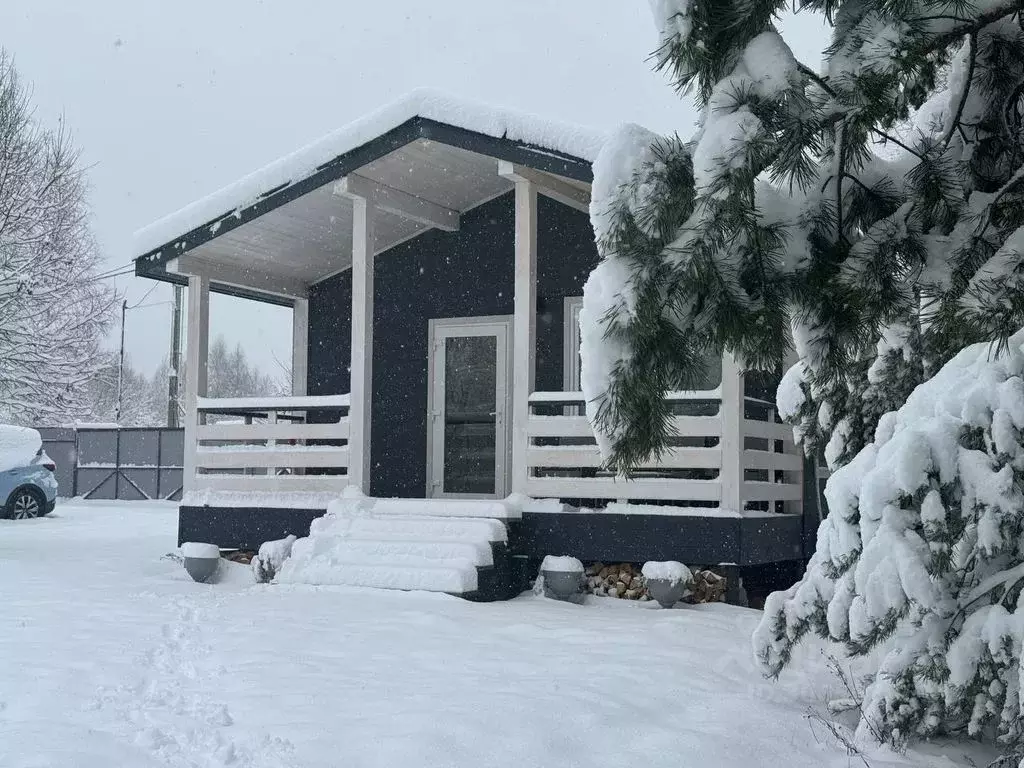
(432, 104)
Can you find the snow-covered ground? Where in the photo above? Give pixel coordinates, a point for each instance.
(110, 656)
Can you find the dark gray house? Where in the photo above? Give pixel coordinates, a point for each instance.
(434, 254)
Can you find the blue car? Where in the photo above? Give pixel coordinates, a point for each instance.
(29, 489)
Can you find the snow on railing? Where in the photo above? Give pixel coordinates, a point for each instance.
(306, 402)
(563, 460)
(273, 444)
(578, 397)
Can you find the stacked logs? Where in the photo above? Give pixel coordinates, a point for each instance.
(625, 581)
(707, 587)
(622, 580)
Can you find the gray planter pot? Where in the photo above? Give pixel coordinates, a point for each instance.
(564, 585)
(201, 569)
(666, 591)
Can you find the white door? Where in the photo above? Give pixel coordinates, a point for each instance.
(468, 404)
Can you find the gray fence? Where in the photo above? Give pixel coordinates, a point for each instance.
(129, 463)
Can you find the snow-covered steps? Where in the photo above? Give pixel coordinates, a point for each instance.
(400, 551)
(495, 509)
(427, 529)
(423, 575)
(400, 544)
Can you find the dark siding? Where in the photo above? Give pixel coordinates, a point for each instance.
(330, 335)
(468, 273)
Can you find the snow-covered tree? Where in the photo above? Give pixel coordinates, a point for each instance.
(229, 374)
(871, 215)
(143, 399)
(866, 215)
(922, 556)
(53, 309)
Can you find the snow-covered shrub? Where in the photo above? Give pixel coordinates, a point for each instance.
(270, 558)
(922, 557)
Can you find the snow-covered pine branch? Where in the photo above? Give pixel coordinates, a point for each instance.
(53, 312)
(825, 210)
(868, 216)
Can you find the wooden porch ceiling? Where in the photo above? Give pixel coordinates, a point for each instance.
(310, 238)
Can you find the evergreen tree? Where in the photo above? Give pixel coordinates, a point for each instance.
(865, 208)
(871, 215)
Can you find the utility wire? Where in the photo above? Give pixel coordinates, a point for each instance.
(109, 277)
(111, 270)
(145, 296)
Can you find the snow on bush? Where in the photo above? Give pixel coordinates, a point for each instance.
(198, 549)
(18, 446)
(923, 555)
(561, 564)
(674, 571)
(271, 557)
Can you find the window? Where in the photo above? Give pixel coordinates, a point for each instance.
(571, 352)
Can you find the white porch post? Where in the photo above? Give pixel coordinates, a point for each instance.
(524, 326)
(361, 369)
(196, 361)
(731, 444)
(807, 475)
(300, 347)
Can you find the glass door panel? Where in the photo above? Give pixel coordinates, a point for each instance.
(470, 414)
(468, 450)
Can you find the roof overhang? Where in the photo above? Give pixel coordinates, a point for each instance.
(424, 174)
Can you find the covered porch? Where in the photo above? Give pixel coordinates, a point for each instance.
(434, 270)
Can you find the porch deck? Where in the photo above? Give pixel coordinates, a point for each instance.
(275, 466)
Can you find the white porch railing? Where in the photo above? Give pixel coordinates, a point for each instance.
(270, 444)
(563, 460)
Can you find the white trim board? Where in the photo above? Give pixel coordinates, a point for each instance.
(571, 343)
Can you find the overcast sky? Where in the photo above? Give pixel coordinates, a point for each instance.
(172, 100)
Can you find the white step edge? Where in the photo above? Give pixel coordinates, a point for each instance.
(429, 578)
(492, 508)
(436, 528)
(391, 550)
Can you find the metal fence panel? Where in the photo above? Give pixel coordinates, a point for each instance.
(172, 447)
(59, 445)
(96, 483)
(170, 483)
(97, 447)
(133, 464)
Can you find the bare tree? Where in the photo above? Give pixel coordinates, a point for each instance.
(53, 309)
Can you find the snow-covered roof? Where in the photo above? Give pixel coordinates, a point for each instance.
(557, 137)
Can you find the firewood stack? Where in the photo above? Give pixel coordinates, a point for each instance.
(624, 581)
(707, 587)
